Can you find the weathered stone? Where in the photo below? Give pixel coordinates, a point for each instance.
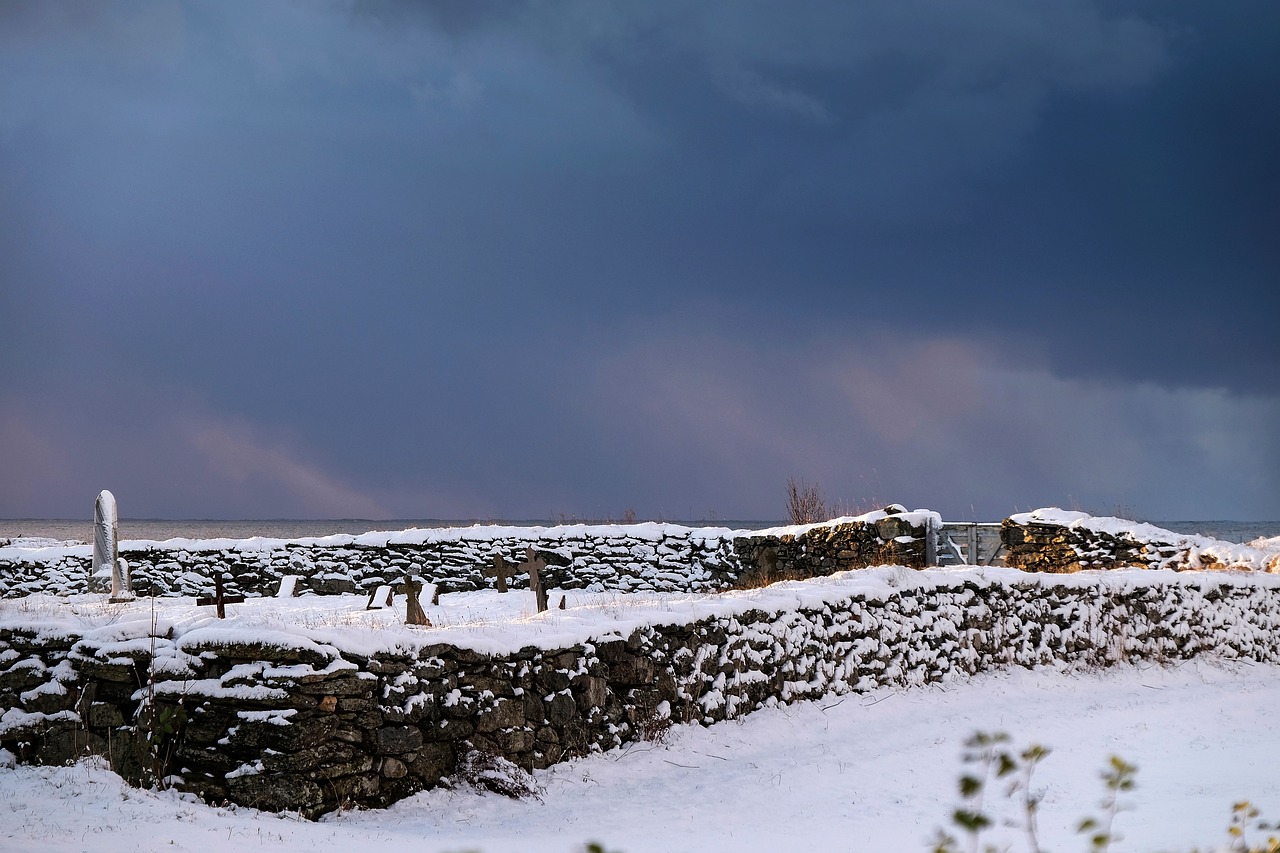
(398, 739)
(342, 686)
(299, 734)
(327, 754)
(277, 793)
(259, 651)
(504, 714)
(561, 709)
(103, 671)
(22, 678)
(337, 769)
(591, 691)
(631, 670)
(434, 761)
(514, 741)
(393, 768)
(480, 683)
(356, 705)
(389, 667)
(103, 715)
(551, 680)
(458, 729)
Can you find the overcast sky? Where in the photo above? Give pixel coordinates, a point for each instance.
(510, 260)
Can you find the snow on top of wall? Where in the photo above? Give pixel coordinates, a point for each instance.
(1265, 543)
(1250, 556)
(51, 551)
(46, 550)
(495, 623)
(916, 518)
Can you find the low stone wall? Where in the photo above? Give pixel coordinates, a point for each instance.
(1058, 541)
(627, 558)
(898, 539)
(281, 721)
(657, 557)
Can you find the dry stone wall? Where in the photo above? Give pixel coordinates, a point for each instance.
(638, 558)
(286, 723)
(684, 559)
(1058, 541)
(896, 539)
(1044, 547)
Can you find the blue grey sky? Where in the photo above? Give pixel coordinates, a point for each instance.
(511, 260)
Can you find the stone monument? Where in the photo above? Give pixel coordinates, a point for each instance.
(106, 555)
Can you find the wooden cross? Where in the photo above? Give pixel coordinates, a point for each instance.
(534, 564)
(413, 612)
(219, 598)
(501, 570)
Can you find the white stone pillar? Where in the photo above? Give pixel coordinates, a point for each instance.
(105, 550)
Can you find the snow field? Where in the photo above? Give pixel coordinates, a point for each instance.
(875, 772)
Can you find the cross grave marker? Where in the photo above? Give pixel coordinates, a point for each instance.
(502, 570)
(413, 612)
(219, 599)
(534, 564)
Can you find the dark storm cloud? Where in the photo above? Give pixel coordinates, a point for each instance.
(996, 157)
(426, 258)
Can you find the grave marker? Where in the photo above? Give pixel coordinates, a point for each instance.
(413, 612)
(534, 564)
(219, 599)
(106, 556)
(380, 598)
(501, 571)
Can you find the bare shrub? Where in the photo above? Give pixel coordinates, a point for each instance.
(653, 723)
(805, 503)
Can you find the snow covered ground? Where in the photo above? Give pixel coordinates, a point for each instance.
(875, 772)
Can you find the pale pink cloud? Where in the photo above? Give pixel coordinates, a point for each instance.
(934, 421)
(235, 454)
(34, 465)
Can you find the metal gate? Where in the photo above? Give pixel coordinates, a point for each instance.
(967, 544)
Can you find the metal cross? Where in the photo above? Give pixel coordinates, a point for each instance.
(219, 598)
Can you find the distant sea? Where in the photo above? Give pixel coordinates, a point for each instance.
(81, 530)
